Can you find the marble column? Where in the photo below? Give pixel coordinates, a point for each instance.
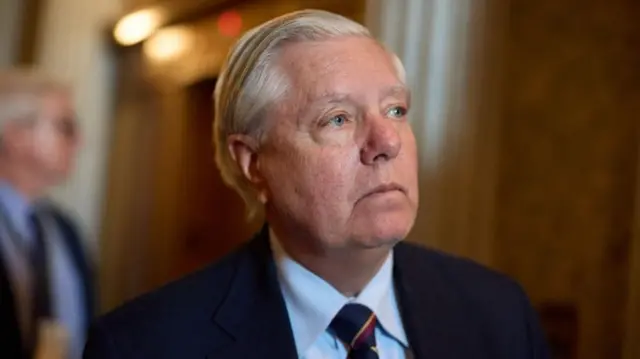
(450, 49)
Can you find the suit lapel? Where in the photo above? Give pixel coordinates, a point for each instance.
(430, 308)
(73, 244)
(9, 325)
(254, 315)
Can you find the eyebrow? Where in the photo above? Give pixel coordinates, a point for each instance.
(336, 97)
(331, 98)
(395, 91)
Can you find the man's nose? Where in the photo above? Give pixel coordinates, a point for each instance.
(382, 142)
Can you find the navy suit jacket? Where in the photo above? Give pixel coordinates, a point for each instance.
(451, 309)
(11, 338)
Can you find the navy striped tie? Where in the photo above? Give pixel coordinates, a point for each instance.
(355, 326)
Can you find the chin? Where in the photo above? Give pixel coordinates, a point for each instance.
(377, 242)
(384, 231)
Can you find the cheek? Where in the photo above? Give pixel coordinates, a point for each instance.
(328, 176)
(331, 178)
(312, 178)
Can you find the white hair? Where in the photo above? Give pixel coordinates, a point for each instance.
(250, 82)
(21, 93)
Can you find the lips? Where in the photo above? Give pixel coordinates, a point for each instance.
(384, 188)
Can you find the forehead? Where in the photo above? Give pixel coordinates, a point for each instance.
(349, 65)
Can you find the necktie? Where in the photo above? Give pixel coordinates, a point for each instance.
(40, 303)
(355, 326)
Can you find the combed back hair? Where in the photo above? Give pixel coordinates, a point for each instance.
(250, 82)
(21, 93)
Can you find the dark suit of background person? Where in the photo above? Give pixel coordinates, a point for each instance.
(44, 271)
(71, 242)
(336, 174)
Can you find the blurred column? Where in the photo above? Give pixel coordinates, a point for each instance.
(450, 49)
(71, 44)
(10, 15)
(19, 27)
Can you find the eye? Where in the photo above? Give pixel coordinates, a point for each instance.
(338, 120)
(397, 112)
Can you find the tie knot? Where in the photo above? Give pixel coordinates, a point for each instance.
(355, 326)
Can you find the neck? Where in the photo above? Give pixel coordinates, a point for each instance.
(348, 270)
(20, 180)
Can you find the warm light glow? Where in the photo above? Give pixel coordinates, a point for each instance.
(137, 26)
(230, 23)
(169, 43)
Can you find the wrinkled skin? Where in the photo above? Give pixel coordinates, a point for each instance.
(341, 132)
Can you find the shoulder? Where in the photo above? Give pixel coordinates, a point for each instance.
(487, 297)
(486, 302)
(175, 313)
(179, 300)
(461, 274)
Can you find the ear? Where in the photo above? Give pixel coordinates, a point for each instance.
(244, 151)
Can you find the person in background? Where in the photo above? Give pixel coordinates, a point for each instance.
(311, 127)
(45, 276)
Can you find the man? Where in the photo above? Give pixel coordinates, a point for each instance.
(44, 274)
(311, 127)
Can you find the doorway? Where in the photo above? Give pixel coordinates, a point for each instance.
(213, 214)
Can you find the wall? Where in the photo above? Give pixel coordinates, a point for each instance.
(10, 14)
(569, 160)
(632, 345)
(207, 46)
(71, 45)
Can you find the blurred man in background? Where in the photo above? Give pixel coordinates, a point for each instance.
(44, 273)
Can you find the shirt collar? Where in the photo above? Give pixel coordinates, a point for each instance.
(312, 303)
(17, 207)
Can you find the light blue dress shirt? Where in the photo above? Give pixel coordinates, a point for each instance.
(66, 290)
(312, 303)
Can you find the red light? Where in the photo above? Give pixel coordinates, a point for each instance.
(230, 23)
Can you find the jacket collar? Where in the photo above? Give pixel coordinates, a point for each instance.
(254, 320)
(434, 315)
(253, 315)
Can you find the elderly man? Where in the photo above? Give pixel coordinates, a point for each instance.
(44, 274)
(311, 127)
